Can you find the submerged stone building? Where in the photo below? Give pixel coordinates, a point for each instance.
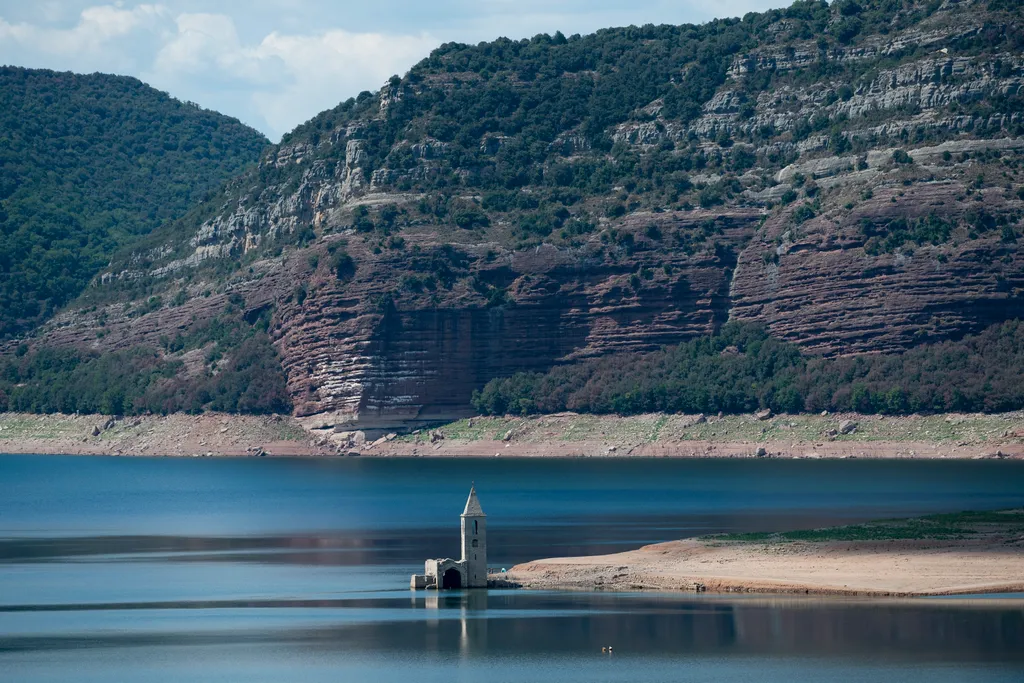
(471, 570)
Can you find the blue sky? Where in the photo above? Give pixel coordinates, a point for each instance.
(276, 63)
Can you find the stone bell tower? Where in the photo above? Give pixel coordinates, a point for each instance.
(474, 542)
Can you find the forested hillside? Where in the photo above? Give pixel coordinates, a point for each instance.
(88, 163)
(845, 178)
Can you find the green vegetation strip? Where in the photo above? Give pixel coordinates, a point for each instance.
(934, 527)
(240, 372)
(743, 369)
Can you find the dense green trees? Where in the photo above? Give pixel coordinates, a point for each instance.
(743, 369)
(87, 164)
(509, 101)
(233, 368)
(250, 380)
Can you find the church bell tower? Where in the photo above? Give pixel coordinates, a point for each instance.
(474, 542)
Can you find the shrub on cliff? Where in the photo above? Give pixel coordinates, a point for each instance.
(342, 265)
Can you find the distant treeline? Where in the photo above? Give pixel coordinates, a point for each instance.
(141, 380)
(744, 369)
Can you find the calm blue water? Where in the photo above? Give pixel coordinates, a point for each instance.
(116, 569)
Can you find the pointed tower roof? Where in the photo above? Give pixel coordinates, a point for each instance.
(473, 508)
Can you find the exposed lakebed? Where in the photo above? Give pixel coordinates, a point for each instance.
(266, 569)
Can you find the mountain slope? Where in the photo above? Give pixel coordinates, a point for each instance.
(87, 164)
(845, 175)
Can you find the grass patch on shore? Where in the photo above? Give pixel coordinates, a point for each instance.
(21, 426)
(949, 526)
(659, 427)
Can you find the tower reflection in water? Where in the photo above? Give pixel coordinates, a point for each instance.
(494, 622)
(467, 608)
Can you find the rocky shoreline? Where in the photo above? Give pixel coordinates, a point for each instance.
(565, 435)
(760, 435)
(210, 434)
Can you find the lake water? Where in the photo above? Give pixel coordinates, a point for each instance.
(118, 569)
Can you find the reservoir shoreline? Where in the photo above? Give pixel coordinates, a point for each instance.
(982, 553)
(953, 436)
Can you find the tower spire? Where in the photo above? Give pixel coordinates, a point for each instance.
(473, 508)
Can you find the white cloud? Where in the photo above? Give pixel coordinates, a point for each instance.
(287, 78)
(97, 27)
(207, 46)
(328, 68)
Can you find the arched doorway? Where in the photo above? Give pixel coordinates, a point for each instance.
(452, 578)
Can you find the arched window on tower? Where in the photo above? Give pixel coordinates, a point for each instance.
(475, 543)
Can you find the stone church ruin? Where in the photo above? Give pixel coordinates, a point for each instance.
(471, 570)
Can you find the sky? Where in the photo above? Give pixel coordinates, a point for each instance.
(276, 63)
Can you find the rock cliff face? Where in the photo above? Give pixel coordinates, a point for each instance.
(858, 194)
(405, 360)
(819, 287)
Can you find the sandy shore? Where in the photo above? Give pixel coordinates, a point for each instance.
(565, 435)
(988, 563)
